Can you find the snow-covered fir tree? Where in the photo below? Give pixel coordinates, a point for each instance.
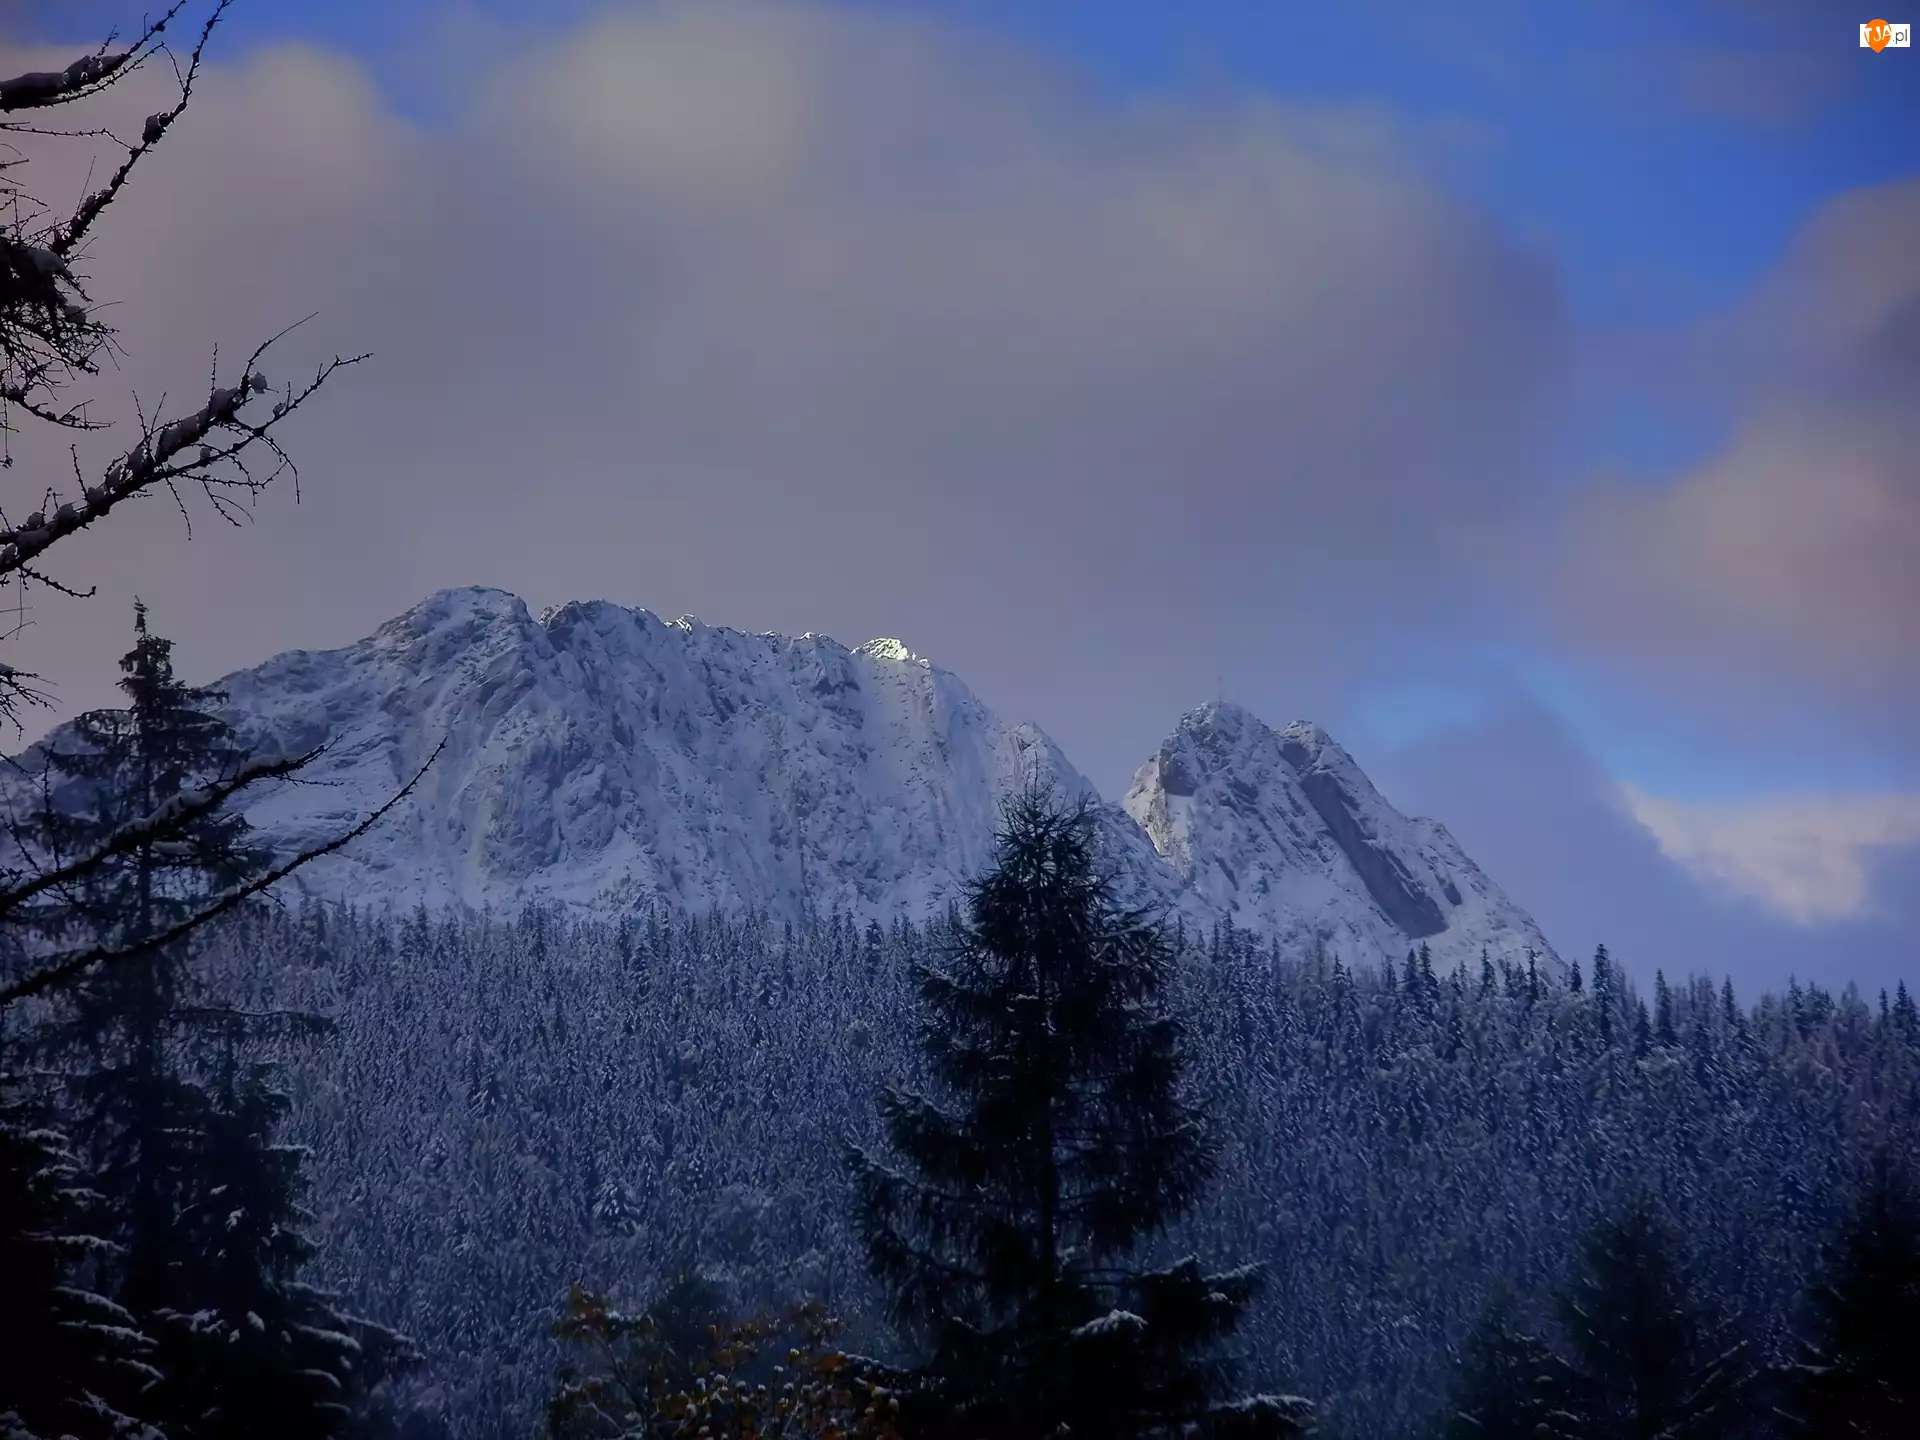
(72, 1362)
(1509, 1379)
(1641, 1355)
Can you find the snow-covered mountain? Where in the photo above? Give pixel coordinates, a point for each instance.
(1280, 831)
(603, 758)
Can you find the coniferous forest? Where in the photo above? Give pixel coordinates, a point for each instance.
(512, 1104)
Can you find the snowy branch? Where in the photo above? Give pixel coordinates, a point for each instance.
(75, 230)
(65, 969)
(86, 76)
(158, 461)
(51, 336)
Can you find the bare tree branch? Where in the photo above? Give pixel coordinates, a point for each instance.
(156, 461)
(75, 230)
(18, 693)
(51, 336)
(64, 969)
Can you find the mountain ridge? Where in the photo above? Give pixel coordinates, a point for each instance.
(604, 759)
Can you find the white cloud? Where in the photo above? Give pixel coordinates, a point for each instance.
(1809, 859)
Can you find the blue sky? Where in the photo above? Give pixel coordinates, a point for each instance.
(1686, 197)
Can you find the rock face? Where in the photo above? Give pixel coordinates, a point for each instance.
(603, 758)
(1279, 831)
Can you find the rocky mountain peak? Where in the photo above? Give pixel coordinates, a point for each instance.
(602, 758)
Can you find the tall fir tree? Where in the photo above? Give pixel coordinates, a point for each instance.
(140, 1112)
(1062, 1146)
(1509, 1380)
(1856, 1377)
(1644, 1360)
(179, 1131)
(121, 1034)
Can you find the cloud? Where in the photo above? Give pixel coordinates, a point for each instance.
(1808, 859)
(1541, 815)
(1787, 564)
(820, 319)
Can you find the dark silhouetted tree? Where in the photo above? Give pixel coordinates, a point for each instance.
(179, 1127)
(72, 1362)
(1857, 1376)
(1643, 1359)
(123, 1028)
(1509, 1379)
(1062, 1145)
(259, 1351)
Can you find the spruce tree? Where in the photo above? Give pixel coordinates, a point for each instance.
(1603, 993)
(1509, 1380)
(1857, 1376)
(1663, 1031)
(123, 1027)
(1061, 1146)
(180, 1130)
(1644, 1359)
(262, 1352)
(1906, 1015)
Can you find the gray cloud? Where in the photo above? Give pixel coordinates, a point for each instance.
(1787, 566)
(809, 319)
